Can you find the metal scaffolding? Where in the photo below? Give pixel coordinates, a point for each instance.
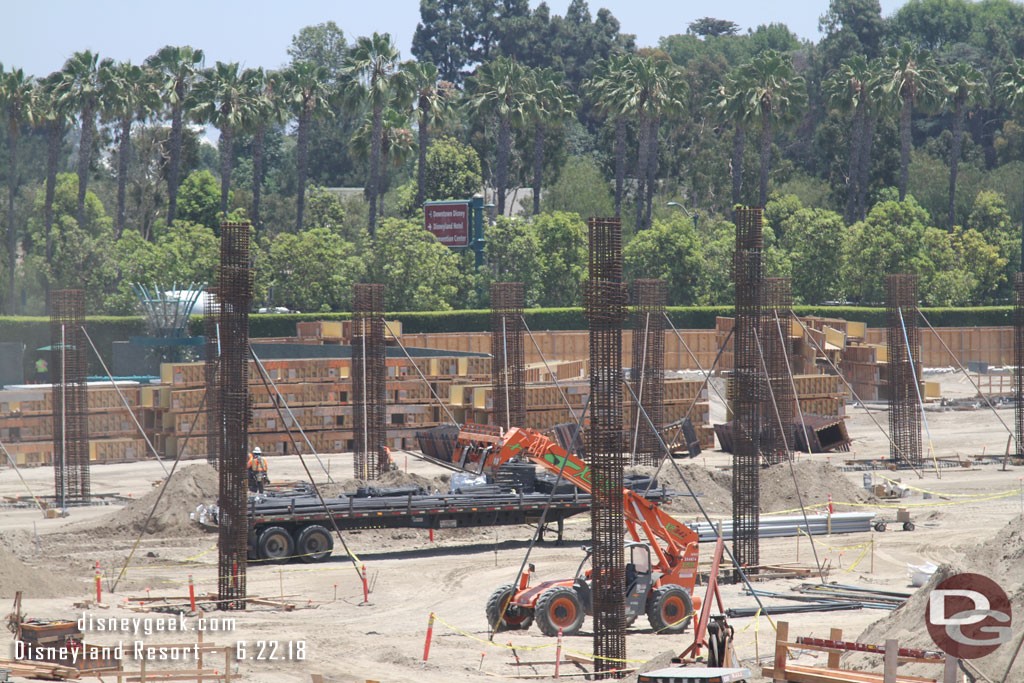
(647, 373)
(751, 402)
(604, 304)
(779, 301)
(901, 332)
(69, 368)
(508, 387)
(368, 381)
(1018, 360)
(211, 332)
(234, 293)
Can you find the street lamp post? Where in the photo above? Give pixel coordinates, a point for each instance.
(694, 216)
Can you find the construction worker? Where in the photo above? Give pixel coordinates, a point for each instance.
(257, 468)
(42, 371)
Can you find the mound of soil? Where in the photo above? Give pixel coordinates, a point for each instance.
(189, 486)
(817, 480)
(714, 487)
(34, 582)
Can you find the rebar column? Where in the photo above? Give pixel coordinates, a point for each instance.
(903, 368)
(68, 371)
(751, 396)
(647, 374)
(779, 301)
(234, 291)
(508, 388)
(1018, 360)
(605, 307)
(368, 382)
(211, 331)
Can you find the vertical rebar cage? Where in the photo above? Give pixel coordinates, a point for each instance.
(508, 388)
(751, 398)
(234, 292)
(903, 368)
(68, 370)
(211, 331)
(368, 381)
(605, 305)
(1018, 360)
(647, 373)
(779, 301)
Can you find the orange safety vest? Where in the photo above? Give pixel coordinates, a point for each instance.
(257, 463)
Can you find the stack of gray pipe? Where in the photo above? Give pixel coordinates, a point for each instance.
(776, 527)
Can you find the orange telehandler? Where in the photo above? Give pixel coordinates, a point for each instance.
(660, 572)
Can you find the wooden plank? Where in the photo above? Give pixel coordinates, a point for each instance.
(796, 673)
(781, 636)
(892, 650)
(833, 657)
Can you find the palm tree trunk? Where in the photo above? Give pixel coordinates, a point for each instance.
(504, 145)
(174, 165)
(258, 140)
(421, 164)
(85, 156)
(652, 168)
(766, 157)
(738, 143)
(954, 157)
(538, 162)
(620, 162)
(904, 147)
(302, 154)
(641, 170)
(864, 178)
(853, 175)
(12, 188)
(54, 134)
(375, 142)
(226, 148)
(122, 170)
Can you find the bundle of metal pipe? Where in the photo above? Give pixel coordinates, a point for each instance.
(778, 527)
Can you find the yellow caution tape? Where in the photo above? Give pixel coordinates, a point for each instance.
(489, 642)
(859, 558)
(936, 493)
(834, 547)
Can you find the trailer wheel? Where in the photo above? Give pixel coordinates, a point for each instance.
(314, 543)
(669, 609)
(908, 526)
(559, 608)
(275, 544)
(879, 527)
(515, 617)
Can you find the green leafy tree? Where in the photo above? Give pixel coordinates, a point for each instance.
(179, 66)
(914, 82)
(965, 88)
(1010, 91)
(198, 200)
(325, 210)
(453, 171)
(129, 95)
(990, 217)
(323, 45)
(580, 188)
(709, 26)
(421, 274)
(563, 245)
(670, 251)
(513, 254)
(373, 63)
(810, 237)
(434, 105)
(851, 27)
(310, 95)
(500, 89)
(17, 103)
(550, 103)
(313, 270)
(396, 145)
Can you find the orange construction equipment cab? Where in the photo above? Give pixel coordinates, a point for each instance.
(661, 559)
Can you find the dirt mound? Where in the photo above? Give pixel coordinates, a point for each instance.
(714, 487)
(1001, 557)
(34, 582)
(817, 480)
(188, 487)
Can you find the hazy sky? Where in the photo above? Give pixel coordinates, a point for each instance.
(40, 35)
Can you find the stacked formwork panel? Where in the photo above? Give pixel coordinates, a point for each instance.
(779, 301)
(234, 290)
(69, 368)
(751, 386)
(605, 307)
(647, 373)
(903, 368)
(211, 330)
(368, 381)
(1018, 359)
(507, 352)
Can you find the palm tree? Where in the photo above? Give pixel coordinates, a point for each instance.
(550, 103)
(373, 65)
(433, 104)
(845, 92)
(965, 88)
(180, 67)
(129, 95)
(80, 90)
(223, 98)
(265, 107)
(16, 100)
(774, 95)
(396, 143)
(52, 113)
(500, 88)
(608, 76)
(309, 94)
(730, 106)
(914, 82)
(1010, 91)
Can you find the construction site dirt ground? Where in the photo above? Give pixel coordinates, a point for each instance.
(51, 561)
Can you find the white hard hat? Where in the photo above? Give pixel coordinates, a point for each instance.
(257, 451)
